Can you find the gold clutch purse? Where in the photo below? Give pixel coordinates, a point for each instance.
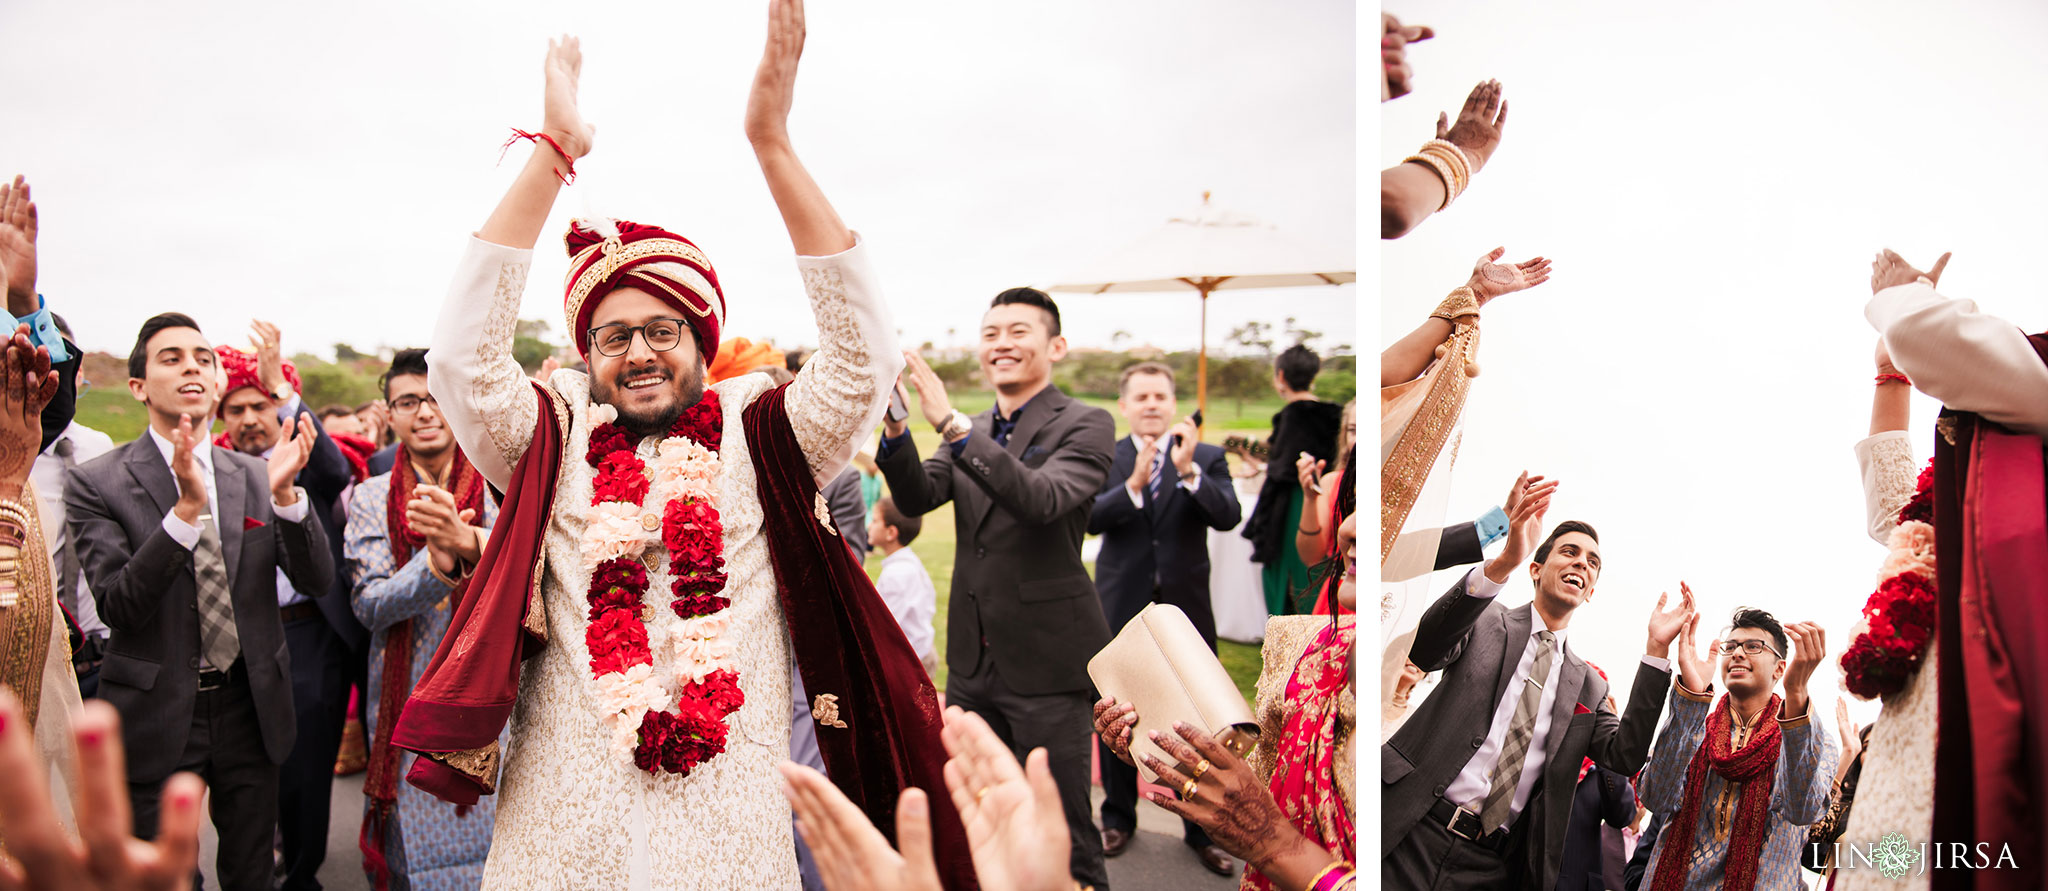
(1160, 664)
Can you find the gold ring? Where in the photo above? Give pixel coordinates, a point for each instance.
(1187, 791)
(1201, 768)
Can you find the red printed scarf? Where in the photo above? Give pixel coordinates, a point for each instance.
(1305, 768)
(381, 783)
(1755, 768)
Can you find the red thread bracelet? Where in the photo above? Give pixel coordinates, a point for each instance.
(1882, 378)
(518, 134)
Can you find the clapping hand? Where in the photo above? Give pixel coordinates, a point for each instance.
(1394, 40)
(1809, 647)
(931, 392)
(294, 448)
(1492, 279)
(1665, 625)
(560, 116)
(850, 852)
(1891, 270)
(452, 540)
(105, 854)
(774, 91)
(1480, 122)
(192, 500)
(29, 384)
(1695, 671)
(1016, 830)
(1528, 501)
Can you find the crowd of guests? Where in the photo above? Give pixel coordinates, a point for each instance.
(254, 606)
(1505, 760)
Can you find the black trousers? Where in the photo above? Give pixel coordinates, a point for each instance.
(1431, 858)
(321, 673)
(1061, 723)
(225, 748)
(1120, 780)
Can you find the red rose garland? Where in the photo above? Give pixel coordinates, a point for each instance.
(1901, 612)
(621, 659)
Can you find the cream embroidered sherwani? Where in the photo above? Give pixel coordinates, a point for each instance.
(573, 813)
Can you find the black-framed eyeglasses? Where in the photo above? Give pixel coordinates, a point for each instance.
(1751, 647)
(405, 405)
(661, 335)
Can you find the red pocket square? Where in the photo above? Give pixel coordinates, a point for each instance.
(1579, 708)
(249, 523)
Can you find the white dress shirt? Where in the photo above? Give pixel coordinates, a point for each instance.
(47, 475)
(907, 588)
(1472, 784)
(187, 534)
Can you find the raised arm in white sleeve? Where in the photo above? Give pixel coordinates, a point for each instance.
(1969, 360)
(481, 390)
(839, 395)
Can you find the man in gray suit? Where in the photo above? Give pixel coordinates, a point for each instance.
(1478, 783)
(181, 542)
(1023, 619)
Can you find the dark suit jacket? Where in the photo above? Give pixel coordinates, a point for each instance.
(1165, 543)
(1639, 862)
(1476, 642)
(1458, 546)
(324, 477)
(382, 459)
(1019, 514)
(1590, 862)
(849, 510)
(142, 580)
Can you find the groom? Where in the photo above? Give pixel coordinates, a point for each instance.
(663, 568)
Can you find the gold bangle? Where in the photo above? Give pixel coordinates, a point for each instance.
(1325, 873)
(1443, 172)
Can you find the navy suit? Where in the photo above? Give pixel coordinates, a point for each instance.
(1157, 553)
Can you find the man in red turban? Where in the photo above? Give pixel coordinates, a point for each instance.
(663, 575)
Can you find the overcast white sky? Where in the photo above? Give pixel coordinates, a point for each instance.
(1712, 182)
(320, 165)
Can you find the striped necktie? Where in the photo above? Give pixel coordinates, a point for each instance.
(219, 642)
(1507, 772)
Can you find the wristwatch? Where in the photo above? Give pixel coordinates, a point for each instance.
(954, 427)
(283, 393)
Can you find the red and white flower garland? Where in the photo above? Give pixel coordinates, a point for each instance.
(1901, 614)
(635, 701)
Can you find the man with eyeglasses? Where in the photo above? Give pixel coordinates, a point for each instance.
(664, 569)
(327, 643)
(1738, 781)
(413, 536)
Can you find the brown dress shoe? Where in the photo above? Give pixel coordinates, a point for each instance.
(1216, 860)
(1114, 842)
(354, 755)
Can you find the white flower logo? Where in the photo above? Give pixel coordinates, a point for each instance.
(1895, 856)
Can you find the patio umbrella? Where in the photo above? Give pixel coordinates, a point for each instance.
(1210, 250)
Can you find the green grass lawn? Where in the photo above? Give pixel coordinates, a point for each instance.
(117, 414)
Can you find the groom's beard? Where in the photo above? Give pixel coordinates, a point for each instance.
(684, 392)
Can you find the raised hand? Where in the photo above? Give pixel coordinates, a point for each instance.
(1526, 506)
(105, 855)
(1479, 125)
(1809, 647)
(931, 392)
(1890, 270)
(288, 457)
(1696, 671)
(1851, 742)
(269, 344)
(1141, 469)
(1183, 456)
(561, 118)
(1665, 624)
(850, 852)
(774, 91)
(27, 385)
(1491, 279)
(1310, 469)
(1394, 40)
(1016, 831)
(18, 228)
(1114, 722)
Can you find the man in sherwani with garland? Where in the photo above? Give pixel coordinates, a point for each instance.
(663, 554)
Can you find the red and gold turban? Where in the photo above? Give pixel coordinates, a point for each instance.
(652, 259)
(240, 368)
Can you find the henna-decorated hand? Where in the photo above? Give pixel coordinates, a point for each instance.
(1479, 125)
(1230, 802)
(18, 226)
(1491, 279)
(1114, 723)
(28, 385)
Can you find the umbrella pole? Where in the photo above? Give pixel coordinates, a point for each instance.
(1202, 364)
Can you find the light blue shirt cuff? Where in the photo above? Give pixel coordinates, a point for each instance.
(42, 330)
(1493, 526)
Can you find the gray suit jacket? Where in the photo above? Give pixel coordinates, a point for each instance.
(1020, 513)
(142, 580)
(1477, 642)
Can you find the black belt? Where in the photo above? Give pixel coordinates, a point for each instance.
(214, 679)
(298, 612)
(1465, 824)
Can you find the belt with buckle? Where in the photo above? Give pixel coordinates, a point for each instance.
(1465, 824)
(214, 679)
(298, 612)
